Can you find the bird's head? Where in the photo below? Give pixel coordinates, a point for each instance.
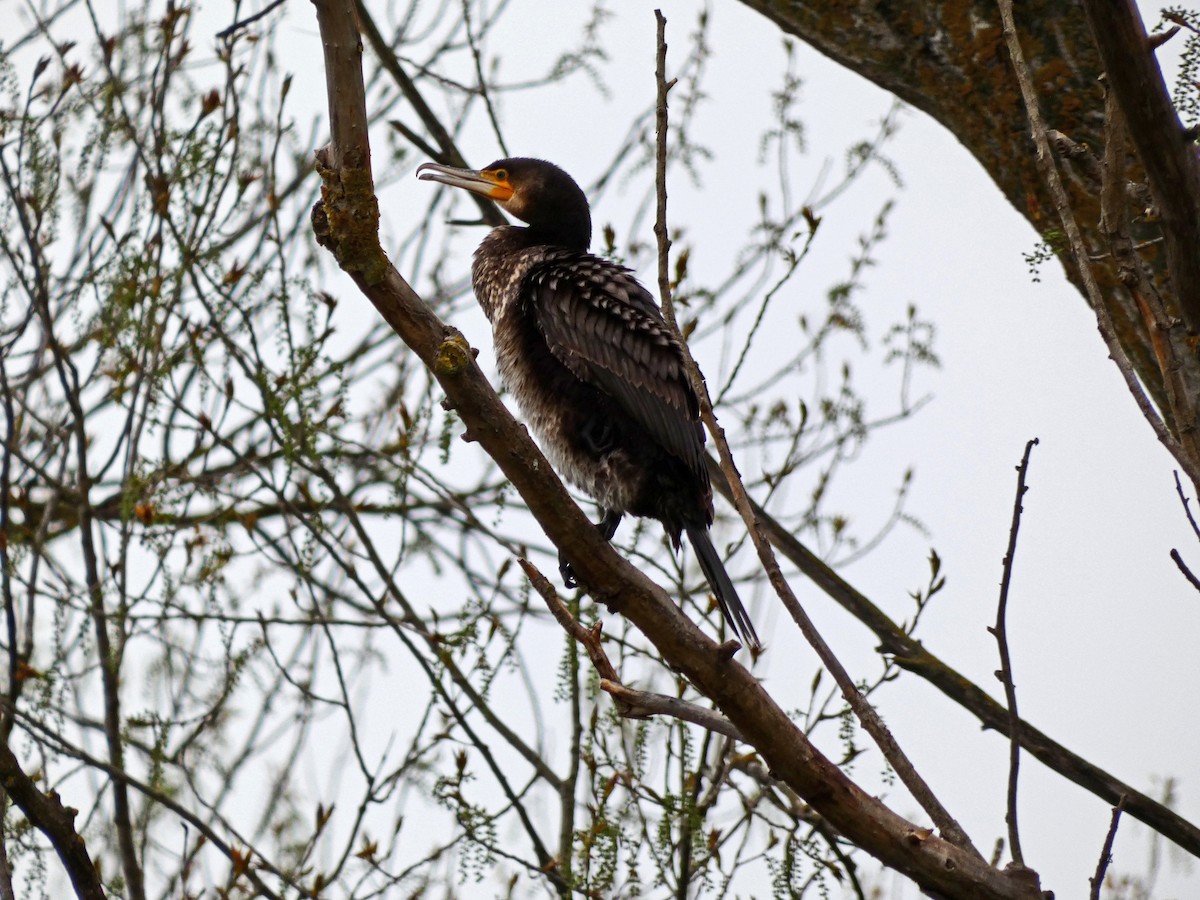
(533, 190)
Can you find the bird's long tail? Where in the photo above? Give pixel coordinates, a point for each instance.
(718, 579)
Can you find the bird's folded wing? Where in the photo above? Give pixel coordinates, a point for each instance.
(605, 327)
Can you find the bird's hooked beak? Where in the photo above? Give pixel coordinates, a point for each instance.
(491, 183)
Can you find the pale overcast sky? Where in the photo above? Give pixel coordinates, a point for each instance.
(1103, 627)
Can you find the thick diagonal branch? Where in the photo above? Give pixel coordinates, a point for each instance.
(57, 822)
(1166, 150)
(347, 223)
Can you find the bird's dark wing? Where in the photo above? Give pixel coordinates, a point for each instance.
(605, 327)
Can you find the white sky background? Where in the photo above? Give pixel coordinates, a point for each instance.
(1103, 628)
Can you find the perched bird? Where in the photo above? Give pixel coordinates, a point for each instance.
(593, 366)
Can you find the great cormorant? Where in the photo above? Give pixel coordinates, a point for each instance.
(593, 366)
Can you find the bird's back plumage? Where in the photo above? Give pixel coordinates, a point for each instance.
(603, 326)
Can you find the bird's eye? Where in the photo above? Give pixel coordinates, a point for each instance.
(501, 174)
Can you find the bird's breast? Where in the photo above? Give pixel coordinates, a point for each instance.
(561, 412)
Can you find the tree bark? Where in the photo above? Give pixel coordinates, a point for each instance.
(948, 59)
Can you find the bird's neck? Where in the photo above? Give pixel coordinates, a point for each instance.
(507, 253)
(570, 234)
(501, 261)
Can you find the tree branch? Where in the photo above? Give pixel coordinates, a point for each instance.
(47, 814)
(1078, 249)
(1000, 631)
(1097, 880)
(1164, 147)
(1167, 335)
(871, 721)
(643, 704)
(962, 79)
(346, 222)
(911, 655)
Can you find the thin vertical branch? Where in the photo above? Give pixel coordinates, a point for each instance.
(1187, 510)
(10, 613)
(1000, 631)
(481, 79)
(109, 655)
(1097, 880)
(570, 782)
(6, 873)
(662, 87)
(871, 721)
(1183, 568)
(1175, 555)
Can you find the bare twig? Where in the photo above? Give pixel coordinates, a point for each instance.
(415, 139)
(1186, 507)
(1187, 573)
(1000, 631)
(1154, 41)
(871, 721)
(589, 638)
(481, 79)
(662, 87)
(1175, 555)
(1097, 880)
(631, 704)
(10, 613)
(226, 33)
(6, 885)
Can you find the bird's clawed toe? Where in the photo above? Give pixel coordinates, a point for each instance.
(568, 573)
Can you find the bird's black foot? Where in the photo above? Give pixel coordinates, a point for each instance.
(608, 525)
(607, 528)
(568, 573)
